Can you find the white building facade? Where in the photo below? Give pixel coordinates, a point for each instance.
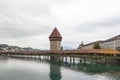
(112, 43)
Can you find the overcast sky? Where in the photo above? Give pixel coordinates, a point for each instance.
(28, 23)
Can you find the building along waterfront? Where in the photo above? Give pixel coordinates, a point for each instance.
(111, 43)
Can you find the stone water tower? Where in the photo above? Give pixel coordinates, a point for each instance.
(55, 40)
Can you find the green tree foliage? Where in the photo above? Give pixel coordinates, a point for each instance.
(96, 46)
(118, 48)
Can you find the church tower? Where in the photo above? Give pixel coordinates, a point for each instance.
(55, 40)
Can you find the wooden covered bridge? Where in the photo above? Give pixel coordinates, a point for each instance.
(92, 52)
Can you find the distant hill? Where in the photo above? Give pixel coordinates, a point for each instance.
(14, 48)
(67, 48)
(3, 45)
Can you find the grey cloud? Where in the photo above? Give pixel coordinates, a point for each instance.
(92, 26)
(16, 31)
(35, 9)
(109, 22)
(24, 8)
(13, 25)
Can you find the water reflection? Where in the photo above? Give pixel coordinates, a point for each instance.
(59, 68)
(3, 59)
(107, 69)
(55, 68)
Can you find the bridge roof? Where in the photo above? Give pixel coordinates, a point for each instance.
(89, 51)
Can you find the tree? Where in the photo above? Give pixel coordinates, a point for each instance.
(118, 48)
(96, 46)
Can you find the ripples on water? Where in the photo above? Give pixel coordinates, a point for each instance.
(40, 69)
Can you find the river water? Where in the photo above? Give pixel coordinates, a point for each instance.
(41, 69)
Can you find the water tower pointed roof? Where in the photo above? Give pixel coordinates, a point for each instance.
(55, 34)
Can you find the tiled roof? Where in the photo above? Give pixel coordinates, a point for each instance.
(55, 34)
(88, 51)
(80, 51)
(113, 38)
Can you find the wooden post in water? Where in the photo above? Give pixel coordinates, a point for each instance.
(73, 60)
